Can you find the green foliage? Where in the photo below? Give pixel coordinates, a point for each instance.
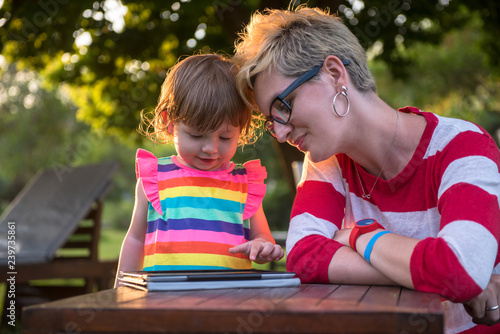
(113, 72)
(452, 79)
(113, 59)
(35, 128)
(399, 24)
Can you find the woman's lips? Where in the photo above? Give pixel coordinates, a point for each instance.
(299, 143)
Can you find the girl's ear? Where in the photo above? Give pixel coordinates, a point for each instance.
(334, 67)
(168, 123)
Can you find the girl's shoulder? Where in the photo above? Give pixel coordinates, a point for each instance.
(146, 163)
(148, 156)
(254, 169)
(256, 174)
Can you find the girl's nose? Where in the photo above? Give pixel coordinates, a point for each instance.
(210, 146)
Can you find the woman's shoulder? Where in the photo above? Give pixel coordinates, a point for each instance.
(444, 125)
(456, 125)
(458, 133)
(444, 133)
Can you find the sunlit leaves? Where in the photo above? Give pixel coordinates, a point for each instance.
(87, 43)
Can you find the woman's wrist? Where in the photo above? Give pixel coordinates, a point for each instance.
(371, 243)
(364, 239)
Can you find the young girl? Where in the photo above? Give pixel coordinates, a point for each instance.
(198, 210)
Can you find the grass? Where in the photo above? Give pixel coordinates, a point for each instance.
(110, 243)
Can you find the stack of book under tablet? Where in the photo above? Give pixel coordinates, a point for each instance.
(206, 279)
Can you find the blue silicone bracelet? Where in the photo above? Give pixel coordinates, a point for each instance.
(369, 247)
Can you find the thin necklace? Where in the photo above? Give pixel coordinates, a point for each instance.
(368, 196)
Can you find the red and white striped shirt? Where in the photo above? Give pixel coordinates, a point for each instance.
(448, 196)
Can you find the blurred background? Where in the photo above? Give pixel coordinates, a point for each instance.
(75, 75)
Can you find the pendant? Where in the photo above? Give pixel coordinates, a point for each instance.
(366, 196)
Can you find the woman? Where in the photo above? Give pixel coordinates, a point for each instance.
(428, 185)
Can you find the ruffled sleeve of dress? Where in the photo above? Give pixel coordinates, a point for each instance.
(256, 174)
(146, 168)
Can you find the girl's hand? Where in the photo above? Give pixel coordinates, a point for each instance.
(259, 250)
(342, 236)
(490, 297)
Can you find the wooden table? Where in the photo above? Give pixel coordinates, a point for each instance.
(314, 308)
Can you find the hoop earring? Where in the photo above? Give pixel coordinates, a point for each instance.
(344, 94)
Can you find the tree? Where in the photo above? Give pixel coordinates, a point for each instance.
(114, 55)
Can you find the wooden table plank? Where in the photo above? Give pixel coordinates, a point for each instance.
(381, 298)
(312, 308)
(413, 299)
(426, 310)
(245, 299)
(345, 297)
(309, 297)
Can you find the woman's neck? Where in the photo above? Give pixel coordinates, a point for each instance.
(385, 139)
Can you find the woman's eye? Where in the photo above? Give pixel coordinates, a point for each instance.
(282, 108)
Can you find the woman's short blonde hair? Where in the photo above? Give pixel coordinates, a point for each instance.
(294, 41)
(199, 91)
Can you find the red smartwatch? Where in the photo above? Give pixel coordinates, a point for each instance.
(361, 227)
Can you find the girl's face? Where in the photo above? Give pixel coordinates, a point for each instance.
(311, 127)
(206, 151)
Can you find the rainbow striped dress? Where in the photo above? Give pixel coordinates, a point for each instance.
(195, 216)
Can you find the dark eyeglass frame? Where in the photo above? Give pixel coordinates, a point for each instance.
(269, 123)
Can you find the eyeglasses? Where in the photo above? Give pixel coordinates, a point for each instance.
(280, 111)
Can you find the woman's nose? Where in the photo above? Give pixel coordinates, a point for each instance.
(282, 131)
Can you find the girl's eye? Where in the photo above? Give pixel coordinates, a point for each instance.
(196, 136)
(225, 138)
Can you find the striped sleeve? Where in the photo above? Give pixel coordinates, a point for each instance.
(317, 213)
(459, 262)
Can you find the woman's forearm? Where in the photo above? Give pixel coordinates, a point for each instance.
(390, 255)
(348, 267)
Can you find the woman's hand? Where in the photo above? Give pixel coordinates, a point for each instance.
(342, 236)
(259, 250)
(489, 298)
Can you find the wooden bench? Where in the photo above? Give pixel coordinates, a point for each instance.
(51, 231)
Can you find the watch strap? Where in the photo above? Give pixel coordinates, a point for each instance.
(358, 230)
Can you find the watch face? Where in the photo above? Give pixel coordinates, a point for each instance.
(365, 222)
